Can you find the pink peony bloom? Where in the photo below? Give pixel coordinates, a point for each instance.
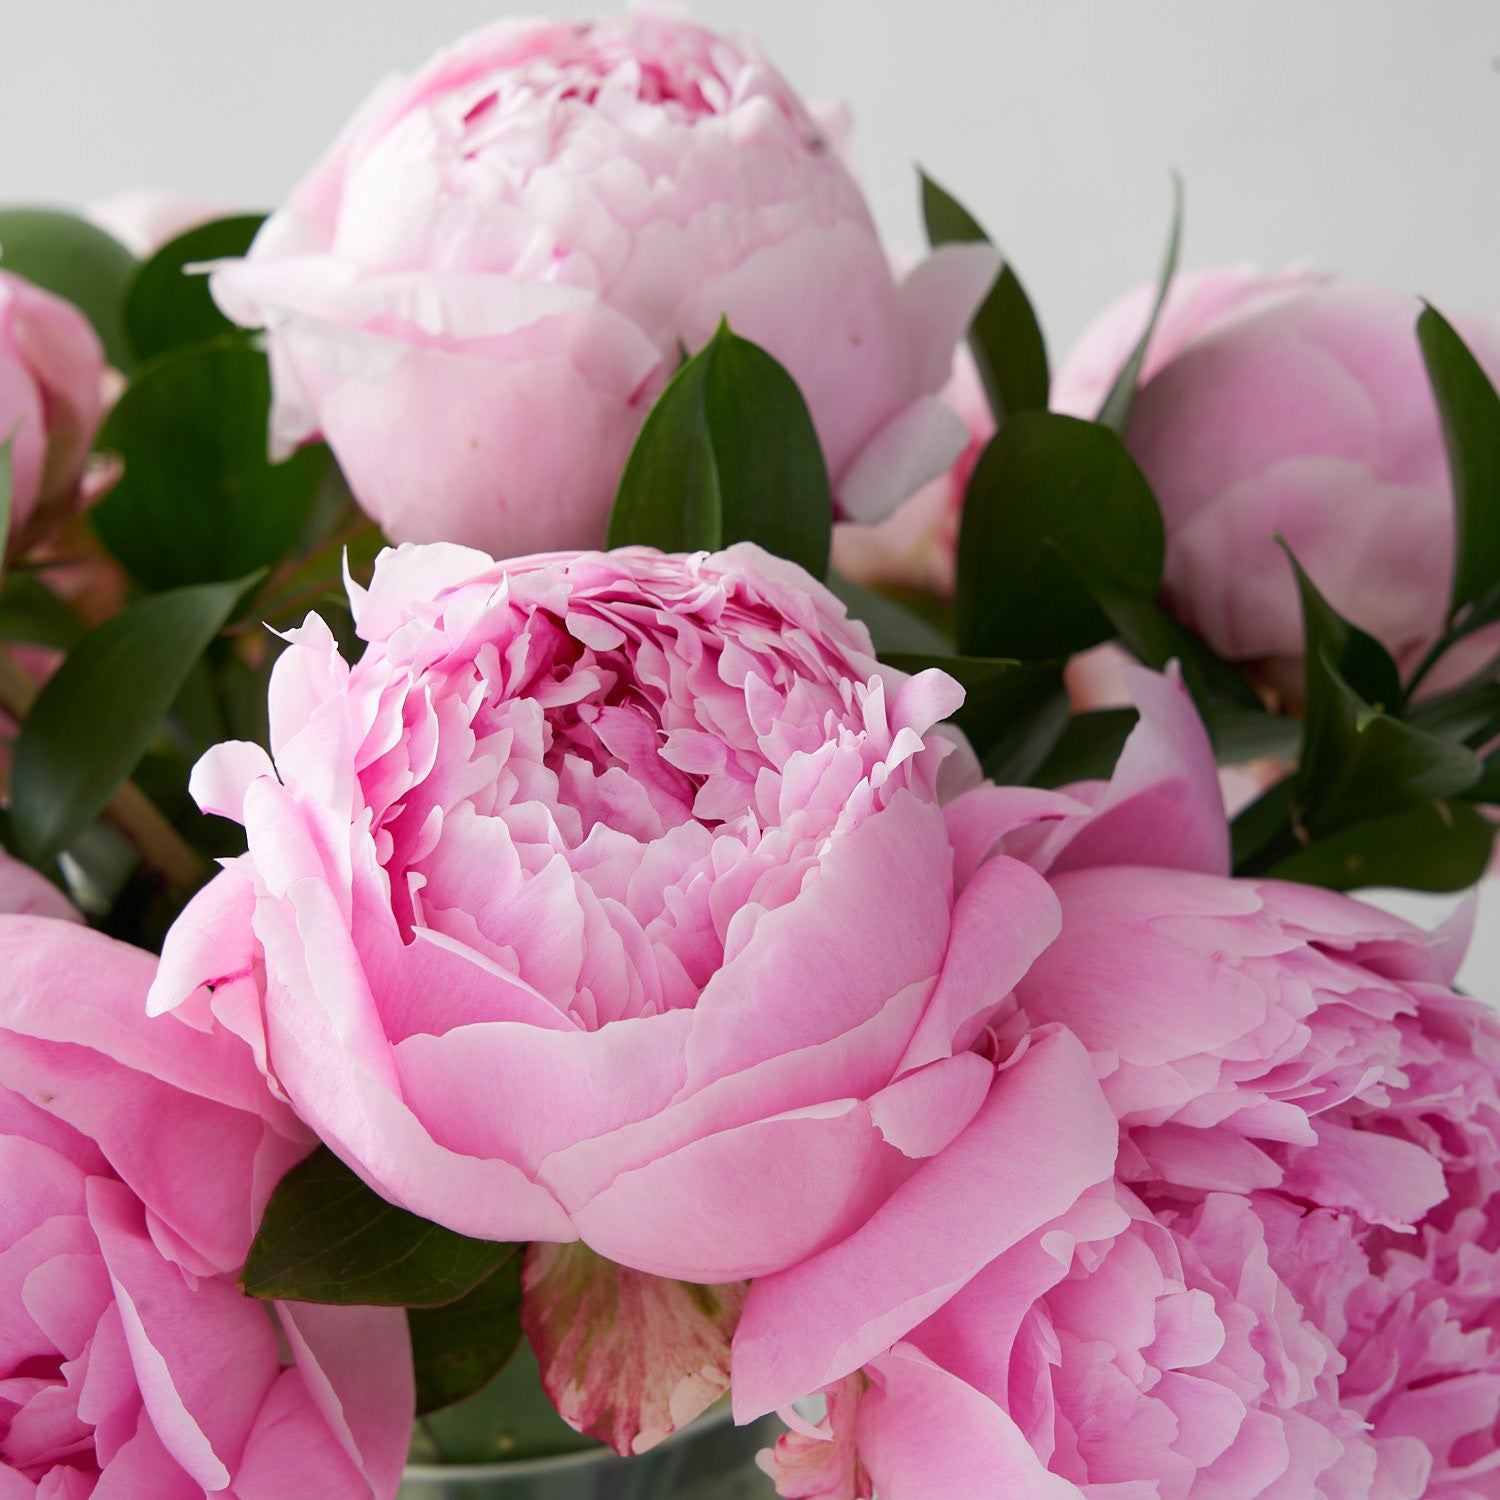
(51, 395)
(611, 897)
(1291, 1289)
(1297, 405)
(138, 1156)
(916, 546)
(479, 290)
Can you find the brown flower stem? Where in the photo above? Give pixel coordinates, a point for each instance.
(159, 845)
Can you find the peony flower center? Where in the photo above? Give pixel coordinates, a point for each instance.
(642, 769)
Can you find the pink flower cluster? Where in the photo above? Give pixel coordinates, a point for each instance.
(627, 899)
(51, 395)
(138, 1157)
(478, 292)
(1290, 1286)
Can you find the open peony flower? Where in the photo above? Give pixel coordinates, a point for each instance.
(51, 395)
(1295, 405)
(136, 1157)
(1291, 1287)
(611, 897)
(479, 290)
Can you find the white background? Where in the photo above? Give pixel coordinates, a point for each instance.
(1362, 135)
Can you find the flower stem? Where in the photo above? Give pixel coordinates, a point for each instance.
(159, 845)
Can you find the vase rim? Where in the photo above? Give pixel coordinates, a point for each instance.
(527, 1468)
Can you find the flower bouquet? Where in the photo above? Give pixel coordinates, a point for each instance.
(644, 858)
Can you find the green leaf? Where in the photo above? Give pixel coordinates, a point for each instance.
(998, 694)
(1115, 412)
(1056, 509)
(33, 614)
(459, 1347)
(892, 626)
(76, 261)
(1092, 742)
(1435, 847)
(1487, 788)
(1470, 715)
(327, 1237)
(199, 501)
(510, 1418)
(1469, 410)
(728, 454)
(1088, 748)
(1016, 756)
(95, 717)
(1359, 762)
(1242, 735)
(1264, 832)
(1006, 338)
(1156, 639)
(167, 307)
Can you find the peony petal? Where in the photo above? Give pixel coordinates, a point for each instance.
(915, 446)
(939, 298)
(1163, 805)
(907, 1424)
(1043, 1136)
(355, 1366)
(626, 1357)
(205, 1356)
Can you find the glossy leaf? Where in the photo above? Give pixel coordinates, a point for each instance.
(1118, 403)
(78, 262)
(1240, 735)
(198, 500)
(1358, 761)
(1469, 409)
(1434, 847)
(509, 1418)
(1088, 748)
(95, 717)
(1091, 744)
(1056, 509)
(1015, 757)
(167, 307)
(1006, 339)
(728, 454)
(1263, 833)
(1156, 639)
(1472, 716)
(30, 612)
(459, 1347)
(328, 1237)
(1487, 788)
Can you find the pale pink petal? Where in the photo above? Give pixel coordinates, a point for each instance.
(1044, 1135)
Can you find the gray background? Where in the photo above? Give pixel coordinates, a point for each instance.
(1361, 135)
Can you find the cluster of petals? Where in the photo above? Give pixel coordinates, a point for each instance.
(1290, 1285)
(479, 290)
(137, 1158)
(1293, 405)
(51, 395)
(615, 897)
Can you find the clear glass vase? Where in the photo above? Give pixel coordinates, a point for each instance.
(507, 1443)
(711, 1459)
